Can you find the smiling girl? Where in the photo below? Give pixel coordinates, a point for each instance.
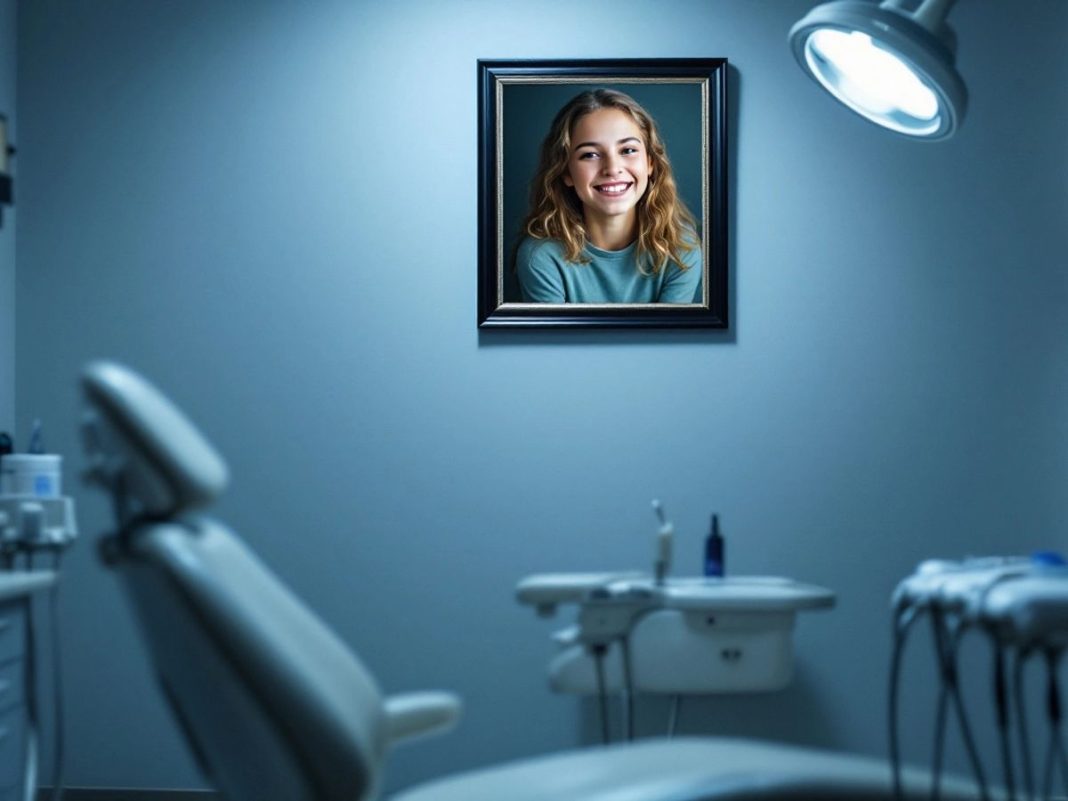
(606, 224)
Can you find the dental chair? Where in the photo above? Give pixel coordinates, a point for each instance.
(275, 707)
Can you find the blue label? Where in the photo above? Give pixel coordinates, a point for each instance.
(42, 486)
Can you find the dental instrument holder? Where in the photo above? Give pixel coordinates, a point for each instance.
(1022, 605)
(33, 515)
(674, 635)
(36, 518)
(691, 635)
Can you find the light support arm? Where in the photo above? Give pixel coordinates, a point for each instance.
(932, 14)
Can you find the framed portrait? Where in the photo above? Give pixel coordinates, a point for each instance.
(602, 193)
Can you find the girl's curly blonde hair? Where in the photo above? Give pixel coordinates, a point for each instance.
(666, 228)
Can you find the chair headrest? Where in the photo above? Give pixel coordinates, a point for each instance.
(141, 446)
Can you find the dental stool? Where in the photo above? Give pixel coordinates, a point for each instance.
(277, 708)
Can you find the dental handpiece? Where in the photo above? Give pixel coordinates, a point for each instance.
(664, 543)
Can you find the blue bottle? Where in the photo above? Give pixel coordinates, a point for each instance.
(715, 551)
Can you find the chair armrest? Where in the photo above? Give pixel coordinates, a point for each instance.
(414, 714)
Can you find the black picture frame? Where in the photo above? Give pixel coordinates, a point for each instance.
(512, 93)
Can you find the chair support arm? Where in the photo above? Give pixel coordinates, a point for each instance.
(415, 714)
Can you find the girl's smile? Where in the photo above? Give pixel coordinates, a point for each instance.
(614, 189)
(609, 166)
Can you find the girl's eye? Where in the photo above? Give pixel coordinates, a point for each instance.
(629, 151)
(589, 154)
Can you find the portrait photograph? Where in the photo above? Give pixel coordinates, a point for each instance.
(602, 193)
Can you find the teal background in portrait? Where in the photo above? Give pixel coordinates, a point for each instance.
(529, 110)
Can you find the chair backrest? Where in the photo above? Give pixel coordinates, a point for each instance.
(273, 704)
(143, 449)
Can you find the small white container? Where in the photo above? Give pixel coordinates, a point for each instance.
(36, 474)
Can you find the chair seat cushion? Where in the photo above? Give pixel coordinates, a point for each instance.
(684, 769)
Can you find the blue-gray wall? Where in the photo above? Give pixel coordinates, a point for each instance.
(270, 208)
(7, 231)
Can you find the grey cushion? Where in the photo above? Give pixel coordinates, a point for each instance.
(685, 769)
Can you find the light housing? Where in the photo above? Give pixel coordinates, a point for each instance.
(892, 63)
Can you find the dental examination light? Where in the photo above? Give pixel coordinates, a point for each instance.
(892, 63)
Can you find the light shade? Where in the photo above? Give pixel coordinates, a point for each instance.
(891, 65)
